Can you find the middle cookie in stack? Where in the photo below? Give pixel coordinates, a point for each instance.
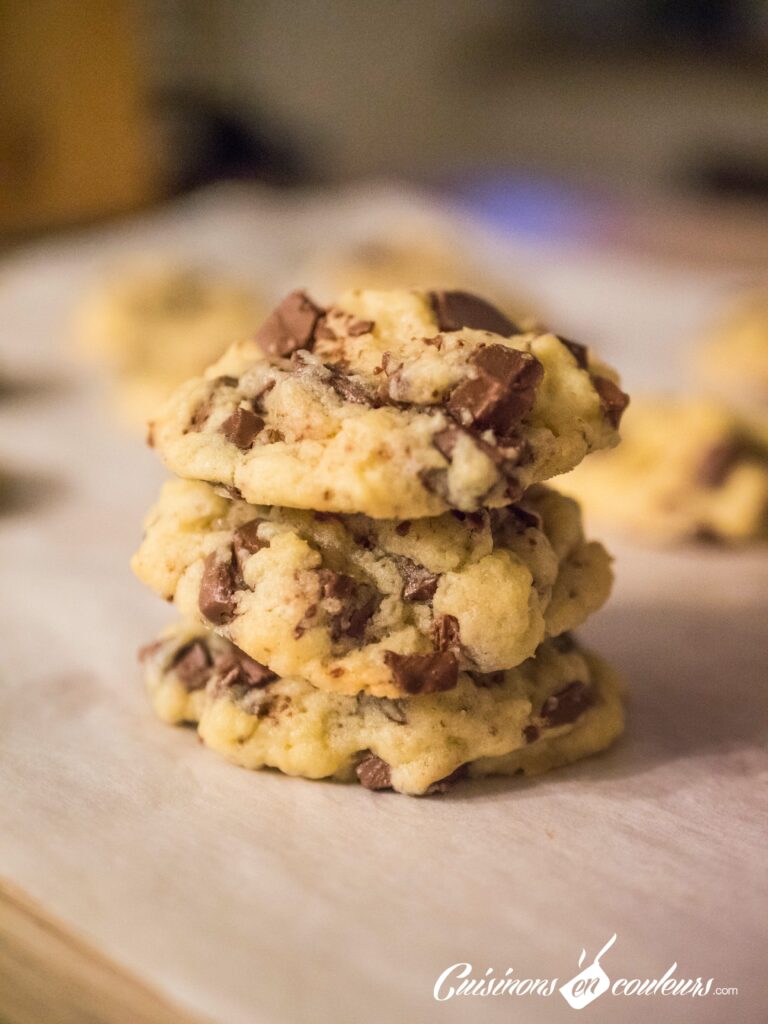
(396, 405)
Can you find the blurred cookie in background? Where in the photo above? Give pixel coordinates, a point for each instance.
(412, 257)
(688, 469)
(155, 325)
(734, 357)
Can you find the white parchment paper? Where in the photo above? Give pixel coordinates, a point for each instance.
(255, 897)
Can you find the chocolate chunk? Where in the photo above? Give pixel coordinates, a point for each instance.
(473, 520)
(359, 327)
(217, 590)
(402, 529)
(389, 364)
(200, 416)
(446, 633)
(612, 399)
(435, 480)
(323, 332)
(564, 643)
(487, 680)
(527, 520)
(419, 584)
(507, 455)
(242, 427)
(423, 673)
(531, 733)
(511, 521)
(394, 710)
(192, 664)
(717, 463)
(455, 310)
(350, 604)
(303, 625)
(247, 537)
(246, 542)
(567, 705)
(252, 673)
(289, 327)
(373, 773)
(503, 392)
(268, 706)
(579, 352)
(445, 441)
(336, 584)
(351, 390)
(443, 785)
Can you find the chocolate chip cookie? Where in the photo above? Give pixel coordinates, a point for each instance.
(392, 404)
(560, 706)
(687, 469)
(387, 607)
(158, 325)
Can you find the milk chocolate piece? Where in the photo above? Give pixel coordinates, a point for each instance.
(351, 604)
(246, 542)
(443, 785)
(511, 521)
(200, 416)
(446, 633)
(242, 427)
(455, 310)
(289, 327)
(358, 327)
(579, 352)
(374, 773)
(419, 584)
(351, 390)
(192, 664)
(217, 590)
(567, 705)
(252, 673)
(394, 710)
(503, 392)
(423, 673)
(613, 400)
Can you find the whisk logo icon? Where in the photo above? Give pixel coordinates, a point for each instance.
(588, 984)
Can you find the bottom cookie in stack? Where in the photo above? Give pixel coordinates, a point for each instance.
(561, 705)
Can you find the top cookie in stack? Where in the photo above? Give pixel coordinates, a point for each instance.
(396, 405)
(374, 582)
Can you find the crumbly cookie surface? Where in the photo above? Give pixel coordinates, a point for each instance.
(358, 604)
(159, 325)
(562, 705)
(392, 404)
(687, 469)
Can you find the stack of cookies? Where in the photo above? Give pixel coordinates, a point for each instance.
(374, 582)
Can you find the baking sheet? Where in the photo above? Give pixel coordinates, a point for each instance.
(262, 898)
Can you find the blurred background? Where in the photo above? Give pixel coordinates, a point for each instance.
(543, 117)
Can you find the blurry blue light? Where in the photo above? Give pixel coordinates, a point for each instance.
(533, 207)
